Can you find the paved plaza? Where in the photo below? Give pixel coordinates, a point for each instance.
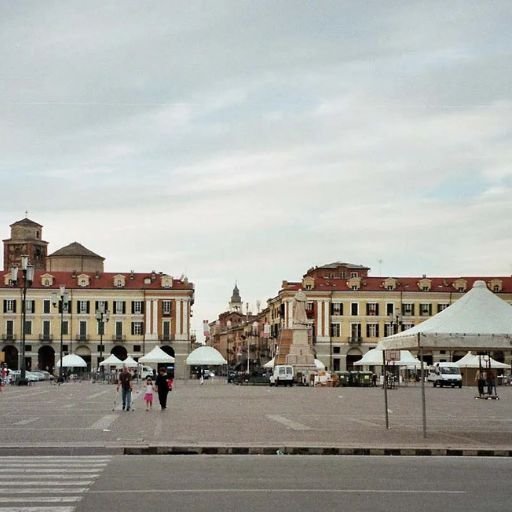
(85, 417)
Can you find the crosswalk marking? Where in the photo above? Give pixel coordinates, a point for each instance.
(104, 422)
(46, 483)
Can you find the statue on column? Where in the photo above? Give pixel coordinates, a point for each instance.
(299, 310)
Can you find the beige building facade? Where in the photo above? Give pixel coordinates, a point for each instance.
(348, 312)
(143, 309)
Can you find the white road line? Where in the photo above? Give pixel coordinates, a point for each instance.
(60, 477)
(10, 485)
(96, 395)
(52, 458)
(76, 490)
(26, 422)
(291, 491)
(84, 465)
(46, 499)
(104, 422)
(287, 423)
(38, 509)
(14, 471)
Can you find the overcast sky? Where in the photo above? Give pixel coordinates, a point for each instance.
(250, 140)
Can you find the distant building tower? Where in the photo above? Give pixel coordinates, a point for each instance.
(25, 241)
(74, 257)
(236, 301)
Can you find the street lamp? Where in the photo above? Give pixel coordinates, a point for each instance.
(61, 299)
(395, 321)
(255, 333)
(27, 272)
(228, 339)
(102, 316)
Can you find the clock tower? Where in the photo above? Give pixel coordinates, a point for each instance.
(26, 240)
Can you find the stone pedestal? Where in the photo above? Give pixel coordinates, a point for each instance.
(294, 349)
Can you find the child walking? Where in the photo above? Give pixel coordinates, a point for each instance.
(148, 394)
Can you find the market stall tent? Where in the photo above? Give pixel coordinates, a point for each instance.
(471, 360)
(129, 362)
(205, 356)
(111, 360)
(71, 361)
(318, 364)
(470, 363)
(156, 355)
(478, 321)
(374, 357)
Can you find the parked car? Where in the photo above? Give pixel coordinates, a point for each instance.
(42, 374)
(15, 375)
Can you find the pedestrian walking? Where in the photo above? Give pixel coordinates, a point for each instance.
(162, 387)
(491, 383)
(125, 383)
(480, 382)
(148, 394)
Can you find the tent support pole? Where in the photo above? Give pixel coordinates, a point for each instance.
(423, 404)
(385, 387)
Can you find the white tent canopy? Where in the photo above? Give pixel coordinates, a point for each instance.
(270, 364)
(471, 360)
(129, 362)
(111, 360)
(205, 356)
(157, 355)
(479, 320)
(71, 361)
(318, 364)
(374, 358)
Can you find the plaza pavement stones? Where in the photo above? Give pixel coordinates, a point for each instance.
(224, 419)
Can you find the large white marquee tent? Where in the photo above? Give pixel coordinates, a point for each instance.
(478, 321)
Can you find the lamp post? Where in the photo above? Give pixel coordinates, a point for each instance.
(102, 316)
(228, 339)
(61, 300)
(255, 333)
(27, 272)
(395, 321)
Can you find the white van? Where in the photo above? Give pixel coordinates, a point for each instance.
(445, 374)
(283, 374)
(146, 371)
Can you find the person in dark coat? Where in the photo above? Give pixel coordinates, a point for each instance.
(162, 387)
